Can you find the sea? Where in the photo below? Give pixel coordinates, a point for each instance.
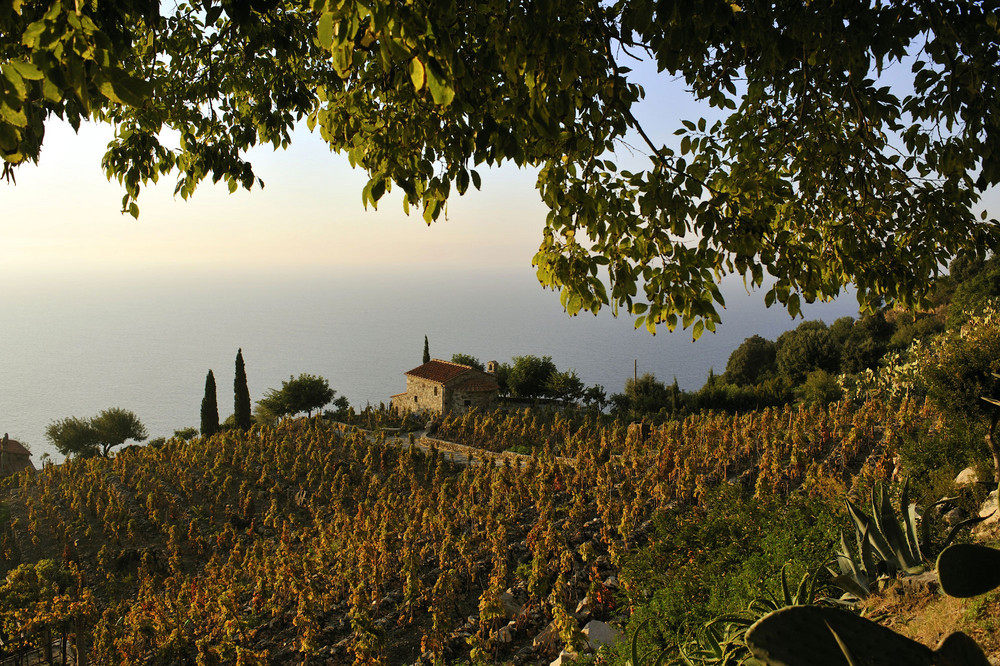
(72, 345)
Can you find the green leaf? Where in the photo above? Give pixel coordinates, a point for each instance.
(324, 30)
(14, 117)
(27, 70)
(418, 74)
(441, 91)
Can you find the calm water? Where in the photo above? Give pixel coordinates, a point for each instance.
(75, 345)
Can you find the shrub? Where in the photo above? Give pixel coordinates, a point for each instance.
(751, 361)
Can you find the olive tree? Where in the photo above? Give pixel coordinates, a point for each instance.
(83, 438)
(304, 393)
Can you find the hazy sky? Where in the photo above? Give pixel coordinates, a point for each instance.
(63, 215)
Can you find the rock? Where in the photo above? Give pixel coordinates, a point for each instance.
(547, 637)
(922, 584)
(990, 507)
(966, 477)
(564, 657)
(582, 609)
(510, 607)
(954, 517)
(524, 654)
(611, 582)
(600, 633)
(504, 635)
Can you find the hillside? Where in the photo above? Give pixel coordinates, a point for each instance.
(303, 544)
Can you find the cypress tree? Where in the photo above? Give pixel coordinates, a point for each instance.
(241, 395)
(209, 408)
(427, 351)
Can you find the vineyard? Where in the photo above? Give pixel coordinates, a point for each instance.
(308, 544)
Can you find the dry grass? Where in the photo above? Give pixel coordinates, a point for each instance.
(928, 617)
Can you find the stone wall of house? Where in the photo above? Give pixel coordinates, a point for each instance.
(462, 401)
(421, 395)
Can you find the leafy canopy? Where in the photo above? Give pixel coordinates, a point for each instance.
(818, 172)
(299, 394)
(98, 435)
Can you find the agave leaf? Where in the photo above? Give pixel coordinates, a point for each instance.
(888, 525)
(784, 585)
(712, 639)
(851, 586)
(815, 581)
(847, 559)
(866, 556)
(734, 620)
(867, 527)
(800, 593)
(969, 522)
(925, 522)
(910, 524)
(635, 643)
(912, 535)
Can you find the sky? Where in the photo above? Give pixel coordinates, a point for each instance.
(62, 216)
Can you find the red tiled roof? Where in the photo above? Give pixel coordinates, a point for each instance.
(477, 385)
(439, 371)
(13, 447)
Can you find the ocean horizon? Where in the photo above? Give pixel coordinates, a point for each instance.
(76, 344)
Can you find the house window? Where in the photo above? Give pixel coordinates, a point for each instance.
(435, 390)
(468, 402)
(414, 398)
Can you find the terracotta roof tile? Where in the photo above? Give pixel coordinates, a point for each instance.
(477, 385)
(14, 447)
(439, 371)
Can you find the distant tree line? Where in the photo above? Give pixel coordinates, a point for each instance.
(532, 377)
(802, 365)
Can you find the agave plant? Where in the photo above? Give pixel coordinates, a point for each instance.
(886, 544)
(895, 542)
(720, 642)
(803, 594)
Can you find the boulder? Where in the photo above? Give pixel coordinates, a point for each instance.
(923, 584)
(510, 607)
(966, 477)
(600, 633)
(564, 657)
(547, 637)
(990, 507)
(504, 635)
(955, 516)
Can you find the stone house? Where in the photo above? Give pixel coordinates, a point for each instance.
(441, 386)
(13, 457)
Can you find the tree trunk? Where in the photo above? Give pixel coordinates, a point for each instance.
(47, 645)
(995, 450)
(80, 644)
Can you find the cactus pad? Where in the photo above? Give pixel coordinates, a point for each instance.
(957, 649)
(967, 569)
(804, 636)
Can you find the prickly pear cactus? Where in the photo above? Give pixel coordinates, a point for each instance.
(807, 635)
(968, 569)
(958, 649)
